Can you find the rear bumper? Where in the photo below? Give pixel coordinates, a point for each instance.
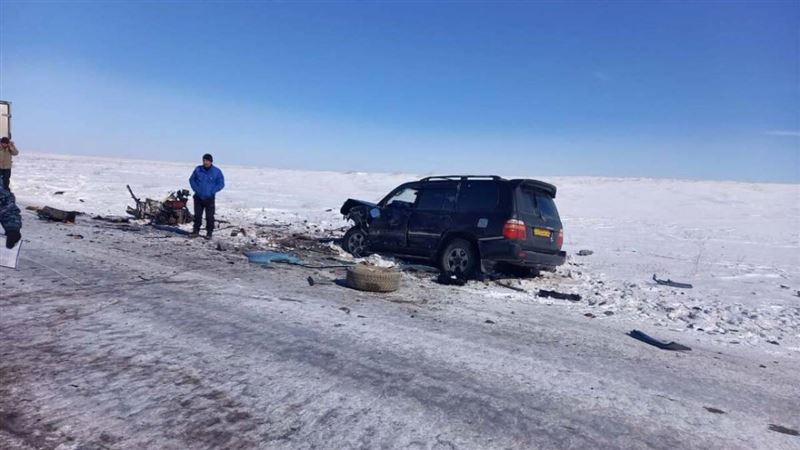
(502, 250)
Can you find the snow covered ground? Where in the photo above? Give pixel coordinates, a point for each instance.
(134, 338)
(737, 243)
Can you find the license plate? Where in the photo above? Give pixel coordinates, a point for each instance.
(542, 232)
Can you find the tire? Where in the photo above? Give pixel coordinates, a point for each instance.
(355, 242)
(459, 258)
(373, 279)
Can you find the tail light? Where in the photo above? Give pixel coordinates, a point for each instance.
(560, 239)
(515, 230)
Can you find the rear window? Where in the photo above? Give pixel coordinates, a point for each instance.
(547, 207)
(538, 203)
(478, 196)
(443, 198)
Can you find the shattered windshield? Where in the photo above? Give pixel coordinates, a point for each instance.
(405, 196)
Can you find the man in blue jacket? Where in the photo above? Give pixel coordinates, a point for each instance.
(206, 181)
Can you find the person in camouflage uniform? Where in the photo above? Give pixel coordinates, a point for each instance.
(10, 217)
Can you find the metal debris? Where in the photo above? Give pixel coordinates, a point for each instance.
(674, 346)
(671, 283)
(56, 215)
(559, 295)
(171, 211)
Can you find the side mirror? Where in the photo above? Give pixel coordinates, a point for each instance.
(374, 213)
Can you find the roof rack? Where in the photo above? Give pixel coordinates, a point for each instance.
(463, 177)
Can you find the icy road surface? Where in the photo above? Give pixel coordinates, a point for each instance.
(142, 339)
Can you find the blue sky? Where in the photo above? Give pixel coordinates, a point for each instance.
(665, 89)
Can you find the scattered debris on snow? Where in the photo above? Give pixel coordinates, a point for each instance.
(674, 346)
(509, 286)
(671, 283)
(784, 430)
(112, 219)
(56, 215)
(170, 211)
(559, 295)
(448, 279)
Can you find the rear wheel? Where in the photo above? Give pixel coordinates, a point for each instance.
(459, 258)
(355, 241)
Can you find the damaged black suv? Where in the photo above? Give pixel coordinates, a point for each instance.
(462, 222)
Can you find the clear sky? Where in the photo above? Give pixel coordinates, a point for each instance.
(706, 89)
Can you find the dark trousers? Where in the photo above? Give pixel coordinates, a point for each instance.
(5, 174)
(200, 205)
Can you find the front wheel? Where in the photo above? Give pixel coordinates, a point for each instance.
(459, 258)
(355, 242)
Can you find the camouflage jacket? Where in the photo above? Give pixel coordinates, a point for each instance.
(9, 213)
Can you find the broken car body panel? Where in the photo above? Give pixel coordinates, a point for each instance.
(357, 210)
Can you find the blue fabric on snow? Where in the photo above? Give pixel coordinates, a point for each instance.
(267, 257)
(207, 182)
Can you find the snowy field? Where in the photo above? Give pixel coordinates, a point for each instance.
(128, 337)
(737, 243)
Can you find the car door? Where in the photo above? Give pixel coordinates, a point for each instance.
(388, 231)
(431, 217)
(479, 210)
